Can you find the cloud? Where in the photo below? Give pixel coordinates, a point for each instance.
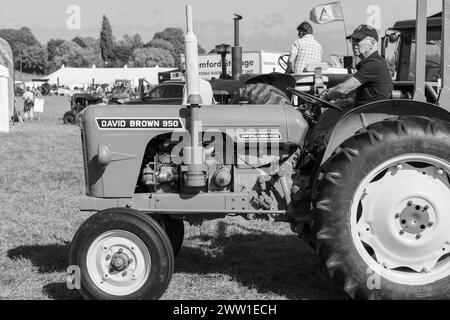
(213, 32)
(271, 25)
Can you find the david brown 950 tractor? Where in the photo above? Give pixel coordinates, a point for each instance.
(370, 191)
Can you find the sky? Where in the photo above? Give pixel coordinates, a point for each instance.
(266, 25)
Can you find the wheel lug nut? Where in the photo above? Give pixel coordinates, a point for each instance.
(426, 207)
(397, 215)
(418, 236)
(430, 224)
(124, 274)
(410, 203)
(399, 166)
(108, 257)
(120, 250)
(440, 171)
(402, 232)
(130, 261)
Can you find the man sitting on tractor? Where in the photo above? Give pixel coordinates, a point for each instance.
(372, 81)
(304, 51)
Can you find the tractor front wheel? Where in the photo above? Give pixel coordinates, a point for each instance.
(381, 221)
(69, 118)
(122, 254)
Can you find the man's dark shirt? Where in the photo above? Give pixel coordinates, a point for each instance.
(376, 81)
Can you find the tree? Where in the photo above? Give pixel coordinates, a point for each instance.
(32, 59)
(160, 43)
(20, 38)
(175, 36)
(133, 42)
(150, 57)
(106, 41)
(121, 55)
(52, 46)
(71, 54)
(29, 55)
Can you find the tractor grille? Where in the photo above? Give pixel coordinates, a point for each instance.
(85, 162)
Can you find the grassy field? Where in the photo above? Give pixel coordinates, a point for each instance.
(41, 181)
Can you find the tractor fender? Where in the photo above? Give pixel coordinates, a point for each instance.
(281, 81)
(363, 116)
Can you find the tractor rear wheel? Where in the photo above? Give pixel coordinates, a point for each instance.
(122, 254)
(381, 221)
(69, 118)
(260, 93)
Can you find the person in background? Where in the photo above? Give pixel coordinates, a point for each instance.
(28, 104)
(304, 51)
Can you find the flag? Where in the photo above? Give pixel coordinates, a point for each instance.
(325, 13)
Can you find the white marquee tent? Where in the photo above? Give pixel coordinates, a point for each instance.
(71, 77)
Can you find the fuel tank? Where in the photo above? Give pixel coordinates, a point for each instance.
(115, 138)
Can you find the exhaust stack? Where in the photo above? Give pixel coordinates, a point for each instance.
(194, 155)
(236, 51)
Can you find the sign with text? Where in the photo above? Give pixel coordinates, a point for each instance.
(210, 65)
(126, 123)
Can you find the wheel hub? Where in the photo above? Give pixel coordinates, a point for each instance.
(414, 219)
(120, 262)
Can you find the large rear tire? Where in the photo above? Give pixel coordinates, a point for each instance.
(122, 254)
(260, 93)
(381, 221)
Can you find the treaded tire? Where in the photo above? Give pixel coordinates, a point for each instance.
(175, 231)
(260, 93)
(147, 230)
(335, 188)
(69, 118)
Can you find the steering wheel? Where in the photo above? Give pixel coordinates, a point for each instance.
(283, 60)
(308, 98)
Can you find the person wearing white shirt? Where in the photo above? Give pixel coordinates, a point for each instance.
(28, 104)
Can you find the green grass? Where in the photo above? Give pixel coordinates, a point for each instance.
(41, 181)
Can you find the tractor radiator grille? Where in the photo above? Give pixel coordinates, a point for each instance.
(86, 171)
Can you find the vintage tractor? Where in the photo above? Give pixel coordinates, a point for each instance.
(78, 102)
(368, 189)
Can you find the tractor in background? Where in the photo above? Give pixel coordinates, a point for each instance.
(78, 102)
